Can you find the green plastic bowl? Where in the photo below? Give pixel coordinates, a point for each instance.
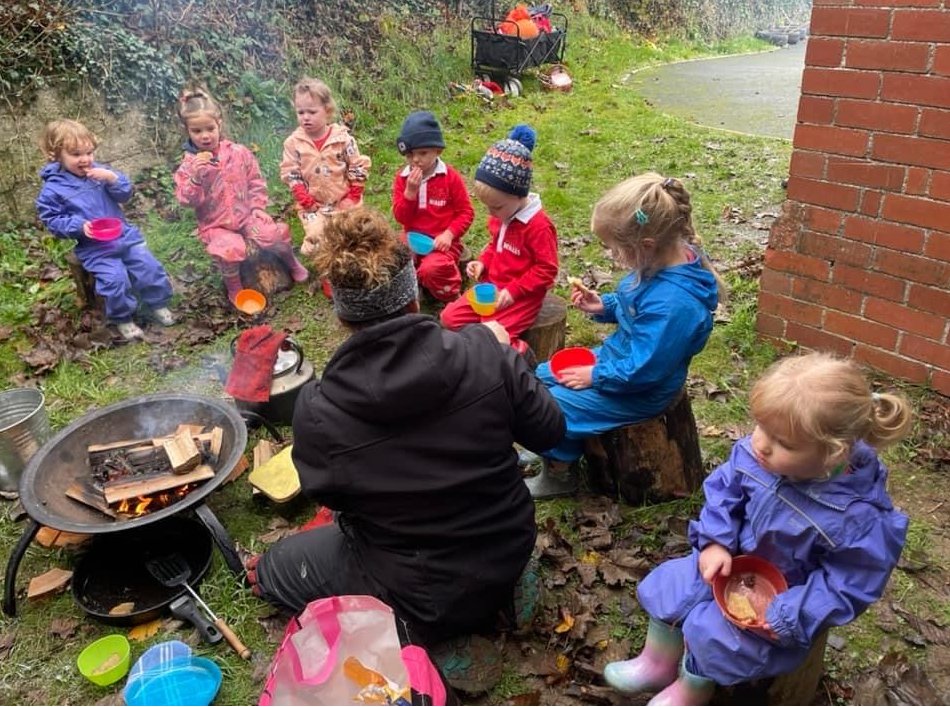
(105, 661)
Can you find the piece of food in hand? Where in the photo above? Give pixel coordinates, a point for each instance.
(204, 155)
(741, 608)
(578, 283)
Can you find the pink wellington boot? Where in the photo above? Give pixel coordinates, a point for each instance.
(657, 665)
(232, 282)
(688, 689)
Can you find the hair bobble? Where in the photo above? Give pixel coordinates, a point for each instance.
(667, 183)
(641, 216)
(875, 398)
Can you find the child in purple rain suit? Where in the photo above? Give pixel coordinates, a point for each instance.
(76, 190)
(807, 492)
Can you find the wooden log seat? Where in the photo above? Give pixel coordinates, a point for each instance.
(655, 460)
(86, 296)
(795, 688)
(549, 330)
(264, 271)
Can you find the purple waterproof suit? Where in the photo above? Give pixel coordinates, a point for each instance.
(836, 542)
(123, 268)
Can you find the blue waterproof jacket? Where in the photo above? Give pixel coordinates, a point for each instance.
(662, 322)
(836, 542)
(66, 202)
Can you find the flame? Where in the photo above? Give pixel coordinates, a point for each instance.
(140, 505)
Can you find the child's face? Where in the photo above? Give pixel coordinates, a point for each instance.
(424, 158)
(205, 132)
(78, 159)
(501, 205)
(311, 115)
(784, 454)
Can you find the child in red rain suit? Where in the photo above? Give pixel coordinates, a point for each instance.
(430, 197)
(521, 256)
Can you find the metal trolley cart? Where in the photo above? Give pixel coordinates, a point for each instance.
(504, 55)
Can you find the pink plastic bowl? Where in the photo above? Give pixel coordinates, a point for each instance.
(570, 357)
(105, 229)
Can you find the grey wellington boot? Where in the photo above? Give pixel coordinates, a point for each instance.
(549, 483)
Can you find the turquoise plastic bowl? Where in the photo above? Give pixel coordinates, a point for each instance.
(184, 681)
(420, 243)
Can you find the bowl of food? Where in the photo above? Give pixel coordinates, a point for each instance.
(745, 594)
(105, 229)
(250, 301)
(105, 661)
(569, 358)
(420, 243)
(483, 298)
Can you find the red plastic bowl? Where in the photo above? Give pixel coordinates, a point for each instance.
(105, 229)
(759, 580)
(570, 357)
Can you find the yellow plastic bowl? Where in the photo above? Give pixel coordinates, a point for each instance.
(250, 301)
(105, 661)
(483, 298)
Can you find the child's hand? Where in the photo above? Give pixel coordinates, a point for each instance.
(499, 331)
(475, 269)
(587, 301)
(86, 227)
(443, 241)
(577, 377)
(714, 560)
(203, 158)
(504, 299)
(413, 182)
(101, 174)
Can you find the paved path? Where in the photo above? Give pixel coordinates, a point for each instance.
(752, 93)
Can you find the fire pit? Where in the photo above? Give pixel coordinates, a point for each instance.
(63, 461)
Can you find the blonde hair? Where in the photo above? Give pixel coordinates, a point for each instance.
(483, 191)
(828, 399)
(648, 206)
(194, 101)
(359, 250)
(318, 91)
(59, 135)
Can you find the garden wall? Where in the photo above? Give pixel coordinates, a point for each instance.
(859, 262)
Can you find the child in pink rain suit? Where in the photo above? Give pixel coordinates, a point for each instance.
(222, 181)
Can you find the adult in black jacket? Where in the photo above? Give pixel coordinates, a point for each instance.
(409, 437)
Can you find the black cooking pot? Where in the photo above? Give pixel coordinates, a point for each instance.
(113, 570)
(291, 373)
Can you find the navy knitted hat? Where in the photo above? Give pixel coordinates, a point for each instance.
(507, 165)
(419, 129)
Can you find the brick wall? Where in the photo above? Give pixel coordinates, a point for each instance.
(859, 262)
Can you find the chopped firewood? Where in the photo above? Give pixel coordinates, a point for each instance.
(238, 469)
(182, 453)
(123, 609)
(94, 449)
(190, 430)
(87, 494)
(156, 483)
(50, 538)
(263, 451)
(121, 444)
(217, 439)
(53, 581)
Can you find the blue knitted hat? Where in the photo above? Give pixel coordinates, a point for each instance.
(419, 129)
(507, 165)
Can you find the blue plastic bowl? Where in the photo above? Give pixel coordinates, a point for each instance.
(185, 681)
(420, 243)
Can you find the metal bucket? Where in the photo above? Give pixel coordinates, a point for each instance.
(23, 430)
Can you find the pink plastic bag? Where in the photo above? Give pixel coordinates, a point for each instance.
(314, 664)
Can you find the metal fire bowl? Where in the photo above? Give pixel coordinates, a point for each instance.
(63, 459)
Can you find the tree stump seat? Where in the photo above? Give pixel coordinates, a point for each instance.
(650, 461)
(86, 296)
(549, 331)
(795, 688)
(264, 271)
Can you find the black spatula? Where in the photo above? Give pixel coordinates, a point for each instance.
(172, 570)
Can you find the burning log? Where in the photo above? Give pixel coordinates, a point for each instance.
(87, 494)
(114, 493)
(182, 453)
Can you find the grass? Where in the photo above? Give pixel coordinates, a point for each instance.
(587, 140)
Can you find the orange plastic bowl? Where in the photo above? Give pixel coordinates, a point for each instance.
(570, 357)
(756, 579)
(105, 229)
(250, 301)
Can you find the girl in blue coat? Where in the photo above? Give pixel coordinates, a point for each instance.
(76, 190)
(663, 312)
(807, 492)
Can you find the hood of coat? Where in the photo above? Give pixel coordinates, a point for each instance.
(53, 173)
(395, 370)
(694, 279)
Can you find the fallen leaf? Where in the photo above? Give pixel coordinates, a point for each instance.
(563, 663)
(567, 621)
(63, 627)
(145, 631)
(525, 698)
(7, 641)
